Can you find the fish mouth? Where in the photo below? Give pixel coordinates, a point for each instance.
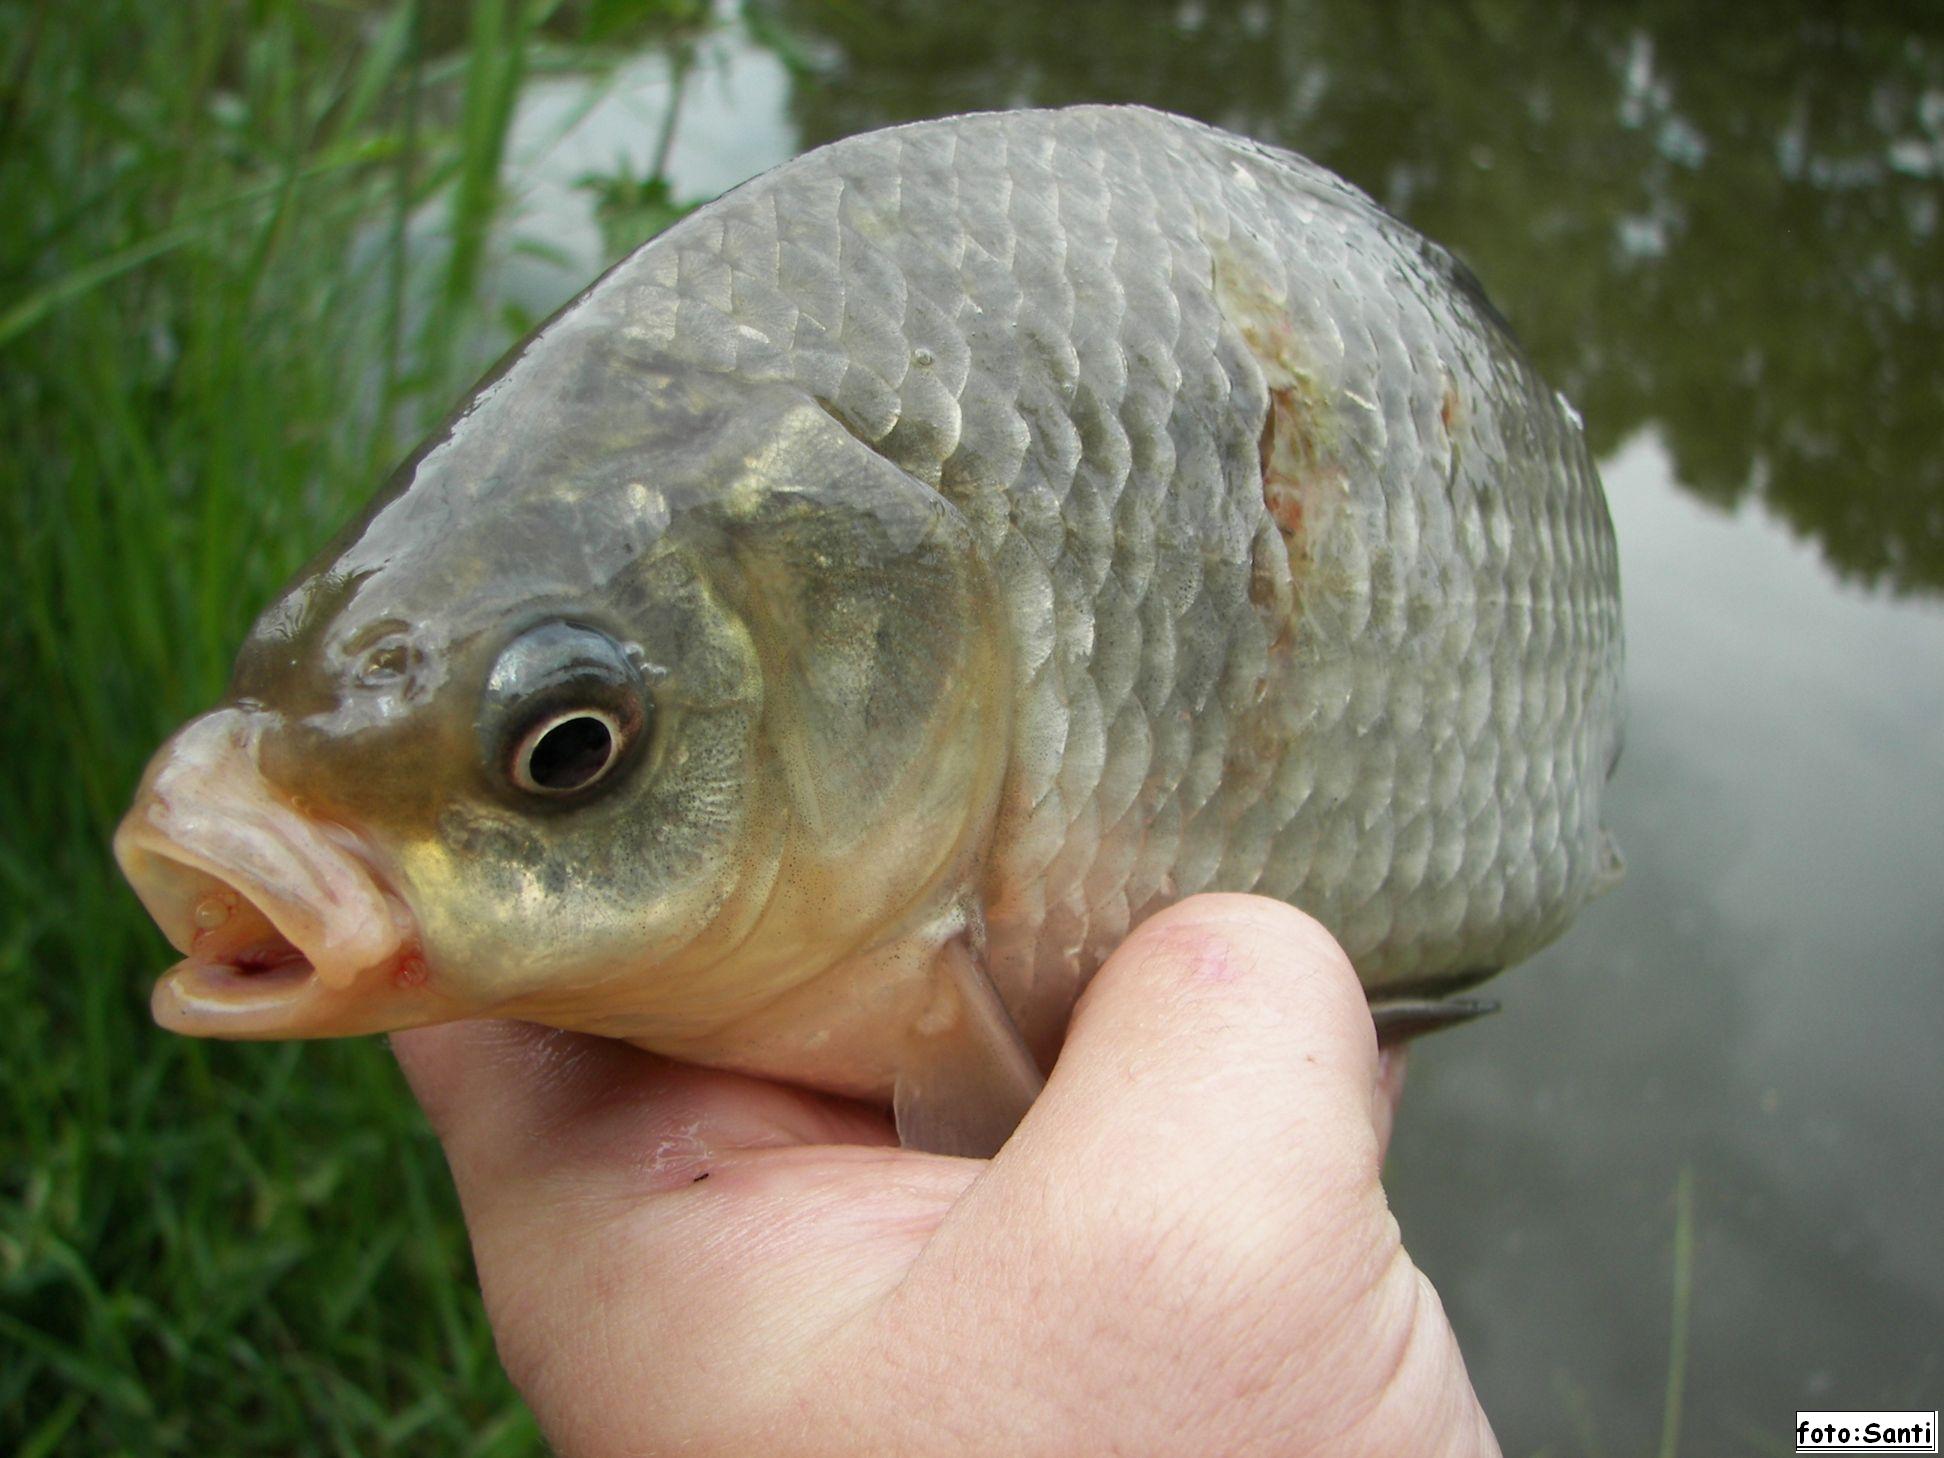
(286, 927)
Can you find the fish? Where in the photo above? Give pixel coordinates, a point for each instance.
(815, 648)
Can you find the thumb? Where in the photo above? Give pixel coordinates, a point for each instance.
(1200, 1178)
(1228, 1038)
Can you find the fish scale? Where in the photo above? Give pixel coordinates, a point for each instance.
(924, 563)
(1093, 405)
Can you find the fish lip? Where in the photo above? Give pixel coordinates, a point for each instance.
(300, 935)
(215, 991)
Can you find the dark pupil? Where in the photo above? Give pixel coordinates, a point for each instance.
(570, 754)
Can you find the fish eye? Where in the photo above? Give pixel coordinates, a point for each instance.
(565, 710)
(567, 752)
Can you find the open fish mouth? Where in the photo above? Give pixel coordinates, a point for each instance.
(286, 928)
(243, 975)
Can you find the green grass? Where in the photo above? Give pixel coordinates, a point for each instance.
(221, 320)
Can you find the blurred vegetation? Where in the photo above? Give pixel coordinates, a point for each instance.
(1721, 221)
(241, 270)
(248, 257)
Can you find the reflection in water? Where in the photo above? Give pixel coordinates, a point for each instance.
(1714, 220)
(1758, 1003)
(600, 158)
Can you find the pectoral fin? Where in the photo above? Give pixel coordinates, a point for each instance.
(968, 1082)
(1400, 1019)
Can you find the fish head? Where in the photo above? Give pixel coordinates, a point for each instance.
(638, 698)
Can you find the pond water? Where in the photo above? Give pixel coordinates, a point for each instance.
(1720, 238)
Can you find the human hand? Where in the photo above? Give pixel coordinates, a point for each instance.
(1184, 1249)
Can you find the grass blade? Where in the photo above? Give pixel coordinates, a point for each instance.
(1677, 1342)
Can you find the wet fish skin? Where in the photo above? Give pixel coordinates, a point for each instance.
(1021, 521)
(1407, 730)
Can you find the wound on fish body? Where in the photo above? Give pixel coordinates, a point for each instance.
(820, 644)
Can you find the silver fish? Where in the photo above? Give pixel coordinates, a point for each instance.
(820, 644)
